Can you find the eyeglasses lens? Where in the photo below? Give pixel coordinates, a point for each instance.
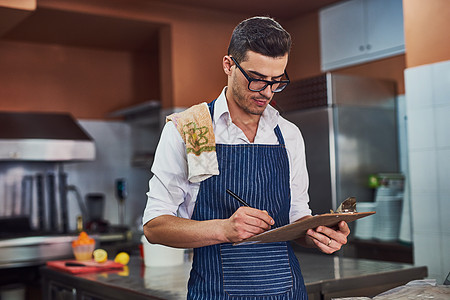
(257, 86)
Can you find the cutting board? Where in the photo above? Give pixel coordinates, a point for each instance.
(89, 266)
(298, 229)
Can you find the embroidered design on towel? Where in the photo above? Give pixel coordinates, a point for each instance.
(196, 129)
(197, 138)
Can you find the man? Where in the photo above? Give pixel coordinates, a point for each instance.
(261, 158)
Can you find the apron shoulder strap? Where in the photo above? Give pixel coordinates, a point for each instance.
(211, 108)
(279, 135)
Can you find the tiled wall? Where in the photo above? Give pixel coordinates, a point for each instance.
(428, 112)
(113, 141)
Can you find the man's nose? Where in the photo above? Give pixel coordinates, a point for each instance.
(267, 92)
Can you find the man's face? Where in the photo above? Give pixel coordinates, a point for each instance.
(257, 66)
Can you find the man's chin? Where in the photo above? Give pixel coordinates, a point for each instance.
(255, 111)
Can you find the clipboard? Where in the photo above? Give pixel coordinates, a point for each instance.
(298, 229)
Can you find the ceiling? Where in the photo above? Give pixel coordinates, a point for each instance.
(281, 9)
(78, 29)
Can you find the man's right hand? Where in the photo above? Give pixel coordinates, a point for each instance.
(185, 233)
(245, 223)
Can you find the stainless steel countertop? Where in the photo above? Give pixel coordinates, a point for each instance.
(319, 271)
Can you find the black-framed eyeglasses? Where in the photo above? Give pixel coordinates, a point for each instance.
(257, 85)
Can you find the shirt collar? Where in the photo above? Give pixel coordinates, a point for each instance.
(268, 118)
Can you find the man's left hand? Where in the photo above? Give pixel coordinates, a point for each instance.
(328, 240)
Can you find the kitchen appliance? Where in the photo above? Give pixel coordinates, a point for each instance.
(34, 199)
(95, 203)
(121, 194)
(33, 186)
(349, 127)
(43, 137)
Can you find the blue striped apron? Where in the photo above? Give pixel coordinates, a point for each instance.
(260, 175)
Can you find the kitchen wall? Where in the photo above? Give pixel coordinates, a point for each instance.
(97, 80)
(113, 142)
(88, 82)
(427, 84)
(189, 47)
(428, 108)
(426, 36)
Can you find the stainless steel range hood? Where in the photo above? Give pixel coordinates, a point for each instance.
(43, 137)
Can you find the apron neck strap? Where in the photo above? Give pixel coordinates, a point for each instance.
(277, 128)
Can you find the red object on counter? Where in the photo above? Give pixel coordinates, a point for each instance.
(78, 267)
(141, 250)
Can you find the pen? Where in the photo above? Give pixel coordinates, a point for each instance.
(237, 198)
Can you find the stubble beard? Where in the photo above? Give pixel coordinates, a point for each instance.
(245, 103)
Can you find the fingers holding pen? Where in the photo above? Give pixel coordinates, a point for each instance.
(247, 222)
(252, 217)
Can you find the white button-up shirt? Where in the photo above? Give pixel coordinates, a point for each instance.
(170, 192)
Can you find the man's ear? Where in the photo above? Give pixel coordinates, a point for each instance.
(227, 63)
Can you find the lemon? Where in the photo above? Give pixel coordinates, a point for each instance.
(100, 255)
(122, 258)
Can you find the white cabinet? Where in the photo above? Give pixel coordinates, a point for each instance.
(357, 31)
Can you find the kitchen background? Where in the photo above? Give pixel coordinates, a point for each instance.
(108, 62)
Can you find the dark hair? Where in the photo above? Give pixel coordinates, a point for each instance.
(262, 35)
